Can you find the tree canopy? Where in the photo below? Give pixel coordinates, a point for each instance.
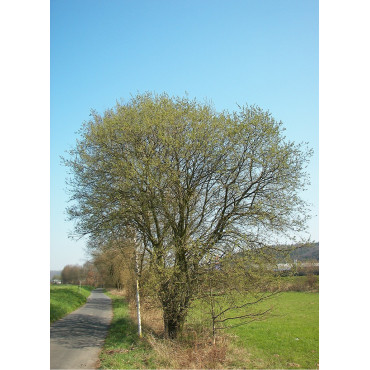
(188, 182)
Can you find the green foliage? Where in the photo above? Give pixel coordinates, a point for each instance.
(66, 298)
(187, 182)
(178, 157)
(72, 274)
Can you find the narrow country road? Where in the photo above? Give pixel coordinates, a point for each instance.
(76, 339)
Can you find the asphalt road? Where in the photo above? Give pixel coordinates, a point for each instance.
(76, 339)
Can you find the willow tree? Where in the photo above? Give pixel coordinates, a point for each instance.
(188, 182)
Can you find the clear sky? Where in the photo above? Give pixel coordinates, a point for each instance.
(230, 52)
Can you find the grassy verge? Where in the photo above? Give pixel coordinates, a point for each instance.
(123, 349)
(287, 340)
(65, 299)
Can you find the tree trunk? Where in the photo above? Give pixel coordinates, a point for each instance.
(173, 323)
(175, 295)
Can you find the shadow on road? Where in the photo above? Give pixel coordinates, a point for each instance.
(86, 327)
(80, 331)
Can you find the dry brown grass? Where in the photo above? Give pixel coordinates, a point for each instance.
(121, 292)
(151, 317)
(173, 354)
(200, 353)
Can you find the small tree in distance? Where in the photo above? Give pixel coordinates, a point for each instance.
(71, 274)
(188, 183)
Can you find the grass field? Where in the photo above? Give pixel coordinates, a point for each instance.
(288, 340)
(66, 298)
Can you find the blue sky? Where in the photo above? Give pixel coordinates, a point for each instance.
(229, 52)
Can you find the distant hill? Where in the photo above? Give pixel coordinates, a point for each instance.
(306, 253)
(54, 272)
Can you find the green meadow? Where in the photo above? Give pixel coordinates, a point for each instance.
(289, 339)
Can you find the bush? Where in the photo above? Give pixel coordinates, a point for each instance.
(309, 283)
